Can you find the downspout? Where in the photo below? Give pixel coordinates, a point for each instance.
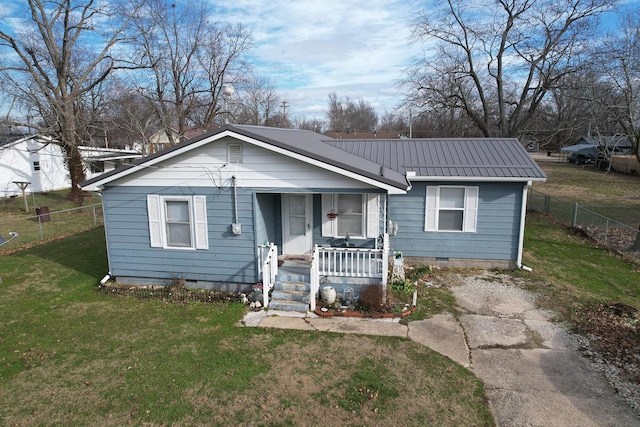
(523, 213)
(235, 198)
(107, 276)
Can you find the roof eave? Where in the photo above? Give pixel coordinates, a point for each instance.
(476, 179)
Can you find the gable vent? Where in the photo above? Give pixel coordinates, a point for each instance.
(234, 153)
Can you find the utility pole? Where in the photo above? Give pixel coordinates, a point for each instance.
(284, 112)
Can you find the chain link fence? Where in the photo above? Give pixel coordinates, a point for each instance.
(615, 227)
(47, 226)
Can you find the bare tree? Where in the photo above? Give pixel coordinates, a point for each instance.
(258, 102)
(188, 59)
(498, 61)
(346, 115)
(56, 62)
(315, 125)
(618, 61)
(131, 118)
(222, 61)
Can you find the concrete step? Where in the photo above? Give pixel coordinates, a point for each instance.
(280, 295)
(290, 296)
(290, 276)
(289, 306)
(292, 286)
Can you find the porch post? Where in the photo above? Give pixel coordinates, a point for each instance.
(385, 265)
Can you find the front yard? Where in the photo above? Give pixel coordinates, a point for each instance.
(71, 356)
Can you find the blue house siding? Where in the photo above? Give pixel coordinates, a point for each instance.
(498, 225)
(229, 259)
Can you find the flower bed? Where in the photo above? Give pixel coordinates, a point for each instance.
(326, 312)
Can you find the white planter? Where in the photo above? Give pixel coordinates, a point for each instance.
(328, 294)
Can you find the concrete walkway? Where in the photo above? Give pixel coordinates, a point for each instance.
(531, 369)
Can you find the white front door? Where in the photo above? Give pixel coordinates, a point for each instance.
(297, 229)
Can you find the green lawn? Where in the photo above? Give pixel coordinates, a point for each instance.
(65, 218)
(570, 272)
(70, 356)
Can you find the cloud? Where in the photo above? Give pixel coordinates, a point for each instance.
(356, 49)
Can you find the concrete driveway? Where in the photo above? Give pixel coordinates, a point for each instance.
(532, 371)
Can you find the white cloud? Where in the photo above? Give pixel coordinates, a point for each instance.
(356, 48)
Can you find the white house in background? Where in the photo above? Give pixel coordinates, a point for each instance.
(37, 160)
(159, 140)
(98, 160)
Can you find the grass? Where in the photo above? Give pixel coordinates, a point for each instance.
(569, 271)
(588, 185)
(65, 218)
(70, 356)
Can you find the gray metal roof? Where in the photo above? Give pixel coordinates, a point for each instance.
(385, 161)
(312, 145)
(475, 158)
(305, 143)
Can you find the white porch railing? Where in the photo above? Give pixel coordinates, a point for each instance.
(314, 278)
(348, 262)
(267, 269)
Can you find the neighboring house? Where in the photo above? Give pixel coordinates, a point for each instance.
(34, 159)
(40, 162)
(206, 210)
(98, 160)
(159, 140)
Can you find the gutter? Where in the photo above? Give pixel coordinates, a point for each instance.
(523, 213)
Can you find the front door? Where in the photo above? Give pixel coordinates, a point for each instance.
(297, 229)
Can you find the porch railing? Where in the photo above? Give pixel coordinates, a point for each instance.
(314, 278)
(348, 262)
(267, 269)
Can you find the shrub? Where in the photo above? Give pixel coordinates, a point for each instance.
(403, 286)
(371, 298)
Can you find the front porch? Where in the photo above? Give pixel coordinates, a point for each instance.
(293, 283)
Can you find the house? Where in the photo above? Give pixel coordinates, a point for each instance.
(159, 140)
(219, 209)
(98, 160)
(37, 160)
(32, 159)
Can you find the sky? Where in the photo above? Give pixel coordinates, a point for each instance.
(355, 48)
(310, 48)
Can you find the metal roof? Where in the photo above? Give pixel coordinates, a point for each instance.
(460, 158)
(307, 144)
(387, 162)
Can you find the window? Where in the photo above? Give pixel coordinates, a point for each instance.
(352, 214)
(97, 167)
(178, 222)
(451, 208)
(36, 166)
(350, 218)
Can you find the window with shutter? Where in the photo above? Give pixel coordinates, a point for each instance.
(178, 222)
(352, 214)
(451, 209)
